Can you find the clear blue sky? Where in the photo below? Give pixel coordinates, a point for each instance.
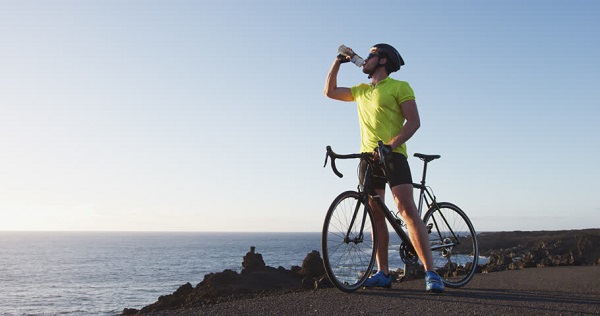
(210, 115)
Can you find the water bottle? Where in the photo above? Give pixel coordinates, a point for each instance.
(354, 58)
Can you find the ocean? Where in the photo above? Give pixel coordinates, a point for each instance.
(101, 273)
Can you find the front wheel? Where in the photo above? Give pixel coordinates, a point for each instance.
(347, 242)
(453, 244)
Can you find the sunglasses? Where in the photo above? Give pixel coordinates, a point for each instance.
(371, 55)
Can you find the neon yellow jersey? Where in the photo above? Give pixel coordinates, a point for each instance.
(379, 113)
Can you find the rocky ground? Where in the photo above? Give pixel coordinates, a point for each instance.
(506, 251)
(519, 249)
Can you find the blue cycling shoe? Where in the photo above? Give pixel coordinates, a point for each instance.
(433, 283)
(379, 279)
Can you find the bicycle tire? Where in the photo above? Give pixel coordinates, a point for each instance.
(457, 262)
(348, 261)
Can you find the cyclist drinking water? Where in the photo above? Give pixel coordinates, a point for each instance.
(388, 112)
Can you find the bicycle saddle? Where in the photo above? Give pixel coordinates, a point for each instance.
(427, 158)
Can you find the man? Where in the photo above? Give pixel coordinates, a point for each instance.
(388, 112)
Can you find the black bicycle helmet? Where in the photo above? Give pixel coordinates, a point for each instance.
(394, 58)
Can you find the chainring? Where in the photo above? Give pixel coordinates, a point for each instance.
(408, 256)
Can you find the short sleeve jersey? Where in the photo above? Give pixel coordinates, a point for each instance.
(379, 113)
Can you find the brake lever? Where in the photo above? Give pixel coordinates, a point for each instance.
(383, 151)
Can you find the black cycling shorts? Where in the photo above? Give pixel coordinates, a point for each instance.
(399, 172)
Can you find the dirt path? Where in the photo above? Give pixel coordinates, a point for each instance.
(536, 291)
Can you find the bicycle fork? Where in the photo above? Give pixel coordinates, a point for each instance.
(360, 237)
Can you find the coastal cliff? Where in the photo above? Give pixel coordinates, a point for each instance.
(504, 250)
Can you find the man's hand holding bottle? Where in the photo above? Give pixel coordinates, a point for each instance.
(346, 54)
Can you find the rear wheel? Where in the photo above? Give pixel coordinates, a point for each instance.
(453, 244)
(347, 242)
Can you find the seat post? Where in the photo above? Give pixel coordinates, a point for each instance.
(424, 172)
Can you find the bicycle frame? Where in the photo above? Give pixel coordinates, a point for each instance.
(426, 197)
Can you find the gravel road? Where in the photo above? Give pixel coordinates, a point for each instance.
(536, 291)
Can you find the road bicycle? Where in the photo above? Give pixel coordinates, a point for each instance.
(349, 240)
